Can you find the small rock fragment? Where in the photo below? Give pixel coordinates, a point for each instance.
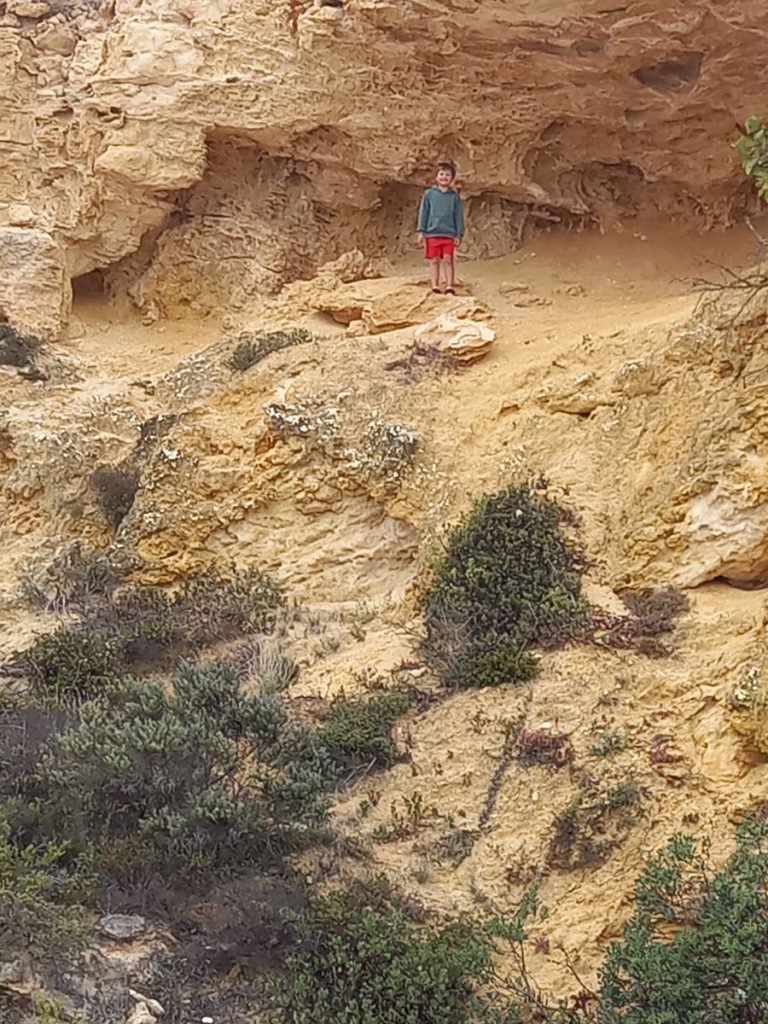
(122, 927)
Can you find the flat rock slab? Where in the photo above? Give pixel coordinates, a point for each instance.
(122, 927)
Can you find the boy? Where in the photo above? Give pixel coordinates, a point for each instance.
(441, 227)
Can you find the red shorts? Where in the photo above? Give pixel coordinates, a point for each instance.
(439, 248)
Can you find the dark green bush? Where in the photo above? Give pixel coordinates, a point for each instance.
(17, 349)
(696, 949)
(251, 350)
(509, 581)
(72, 664)
(39, 906)
(358, 731)
(135, 628)
(362, 959)
(187, 781)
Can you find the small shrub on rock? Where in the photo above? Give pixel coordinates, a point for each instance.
(39, 906)
(252, 348)
(358, 731)
(509, 581)
(134, 628)
(390, 449)
(72, 664)
(752, 147)
(361, 957)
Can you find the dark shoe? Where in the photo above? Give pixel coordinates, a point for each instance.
(450, 291)
(436, 291)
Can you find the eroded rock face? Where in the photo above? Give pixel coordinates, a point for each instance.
(260, 139)
(35, 294)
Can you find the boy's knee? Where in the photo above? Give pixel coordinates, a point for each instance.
(434, 260)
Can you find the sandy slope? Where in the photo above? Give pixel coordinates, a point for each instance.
(585, 307)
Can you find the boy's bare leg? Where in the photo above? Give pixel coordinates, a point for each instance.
(449, 271)
(434, 273)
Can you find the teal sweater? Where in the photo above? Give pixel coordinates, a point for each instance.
(441, 214)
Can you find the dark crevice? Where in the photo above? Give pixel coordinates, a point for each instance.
(671, 75)
(755, 584)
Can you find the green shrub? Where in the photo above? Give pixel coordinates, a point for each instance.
(752, 147)
(17, 349)
(361, 958)
(39, 906)
(71, 664)
(251, 349)
(132, 629)
(187, 781)
(509, 581)
(696, 949)
(358, 731)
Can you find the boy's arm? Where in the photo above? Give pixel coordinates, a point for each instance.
(459, 217)
(424, 213)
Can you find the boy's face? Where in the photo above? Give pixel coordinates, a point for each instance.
(444, 178)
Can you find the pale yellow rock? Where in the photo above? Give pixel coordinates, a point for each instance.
(466, 340)
(28, 8)
(35, 293)
(56, 37)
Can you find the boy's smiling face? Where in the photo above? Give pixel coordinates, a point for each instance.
(444, 178)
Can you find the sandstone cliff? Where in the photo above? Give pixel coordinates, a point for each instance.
(225, 158)
(209, 151)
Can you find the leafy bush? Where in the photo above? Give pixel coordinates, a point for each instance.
(752, 147)
(38, 901)
(358, 731)
(696, 949)
(71, 664)
(509, 581)
(136, 627)
(251, 349)
(17, 349)
(361, 958)
(181, 782)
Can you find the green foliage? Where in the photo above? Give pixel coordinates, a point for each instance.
(696, 949)
(252, 349)
(17, 349)
(358, 731)
(362, 959)
(187, 781)
(134, 628)
(38, 901)
(610, 741)
(71, 664)
(509, 581)
(752, 147)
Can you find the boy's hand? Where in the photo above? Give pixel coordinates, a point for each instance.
(420, 237)
(458, 241)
